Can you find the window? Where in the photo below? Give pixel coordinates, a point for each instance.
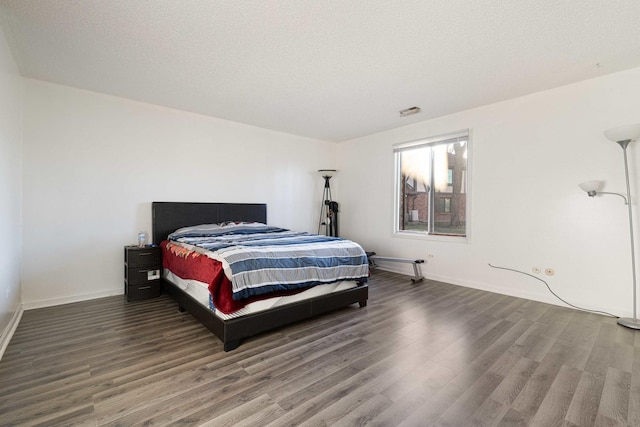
(431, 186)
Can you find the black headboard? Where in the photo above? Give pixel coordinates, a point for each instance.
(169, 216)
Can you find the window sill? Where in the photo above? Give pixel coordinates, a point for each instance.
(413, 235)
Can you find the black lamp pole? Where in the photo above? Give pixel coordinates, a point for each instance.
(329, 208)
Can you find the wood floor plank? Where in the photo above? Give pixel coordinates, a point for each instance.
(426, 379)
(633, 417)
(501, 345)
(614, 403)
(556, 403)
(522, 369)
(586, 400)
(463, 408)
(533, 394)
(512, 418)
(516, 372)
(294, 383)
(419, 354)
(363, 414)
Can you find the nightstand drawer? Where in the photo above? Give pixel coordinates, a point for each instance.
(142, 272)
(143, 257)
(142, 275)
(144, 291)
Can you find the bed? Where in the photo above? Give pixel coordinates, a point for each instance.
(171, 216)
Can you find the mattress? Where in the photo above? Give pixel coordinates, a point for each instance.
(199, 291)
(259, 259)
(209, 260)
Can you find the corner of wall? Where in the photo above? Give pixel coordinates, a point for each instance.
(10, 329)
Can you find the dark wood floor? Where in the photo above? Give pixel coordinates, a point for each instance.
(417, 355)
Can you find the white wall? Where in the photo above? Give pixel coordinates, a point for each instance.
(529, 154)
(10, 186)
(94, 163)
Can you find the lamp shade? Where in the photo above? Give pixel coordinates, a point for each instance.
(623, 133)
(591, 187)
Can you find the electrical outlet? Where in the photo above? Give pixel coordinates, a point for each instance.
(536, 270)
(549, 271)
(431, 256)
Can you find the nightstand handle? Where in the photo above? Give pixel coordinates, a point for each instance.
(145, 253)
(144, 287)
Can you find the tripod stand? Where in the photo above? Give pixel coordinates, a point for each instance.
(329, 208)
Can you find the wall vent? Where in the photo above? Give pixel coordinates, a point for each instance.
(410, 111)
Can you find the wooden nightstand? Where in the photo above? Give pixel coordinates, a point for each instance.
(142, 272)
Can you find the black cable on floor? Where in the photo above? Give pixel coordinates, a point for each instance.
(553, 293)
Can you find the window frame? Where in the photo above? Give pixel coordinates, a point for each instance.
(432, 141)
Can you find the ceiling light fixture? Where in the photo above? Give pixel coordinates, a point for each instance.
(410, 111)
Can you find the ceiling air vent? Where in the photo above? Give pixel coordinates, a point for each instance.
(410, 111)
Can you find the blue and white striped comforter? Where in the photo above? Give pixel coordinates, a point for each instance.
(259, 259)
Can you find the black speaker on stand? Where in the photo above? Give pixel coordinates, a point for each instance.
(329, 208)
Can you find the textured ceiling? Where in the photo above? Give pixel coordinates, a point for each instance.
(326, 69)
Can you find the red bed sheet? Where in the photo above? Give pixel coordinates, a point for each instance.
(188, 264)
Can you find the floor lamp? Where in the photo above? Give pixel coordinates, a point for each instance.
(329, 208)
(622, 136)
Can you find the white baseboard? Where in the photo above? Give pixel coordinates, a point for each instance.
(30, 305)
(10, 329)
(543, 296)
(478, 285)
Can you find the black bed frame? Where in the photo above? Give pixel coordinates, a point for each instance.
(169, 216)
